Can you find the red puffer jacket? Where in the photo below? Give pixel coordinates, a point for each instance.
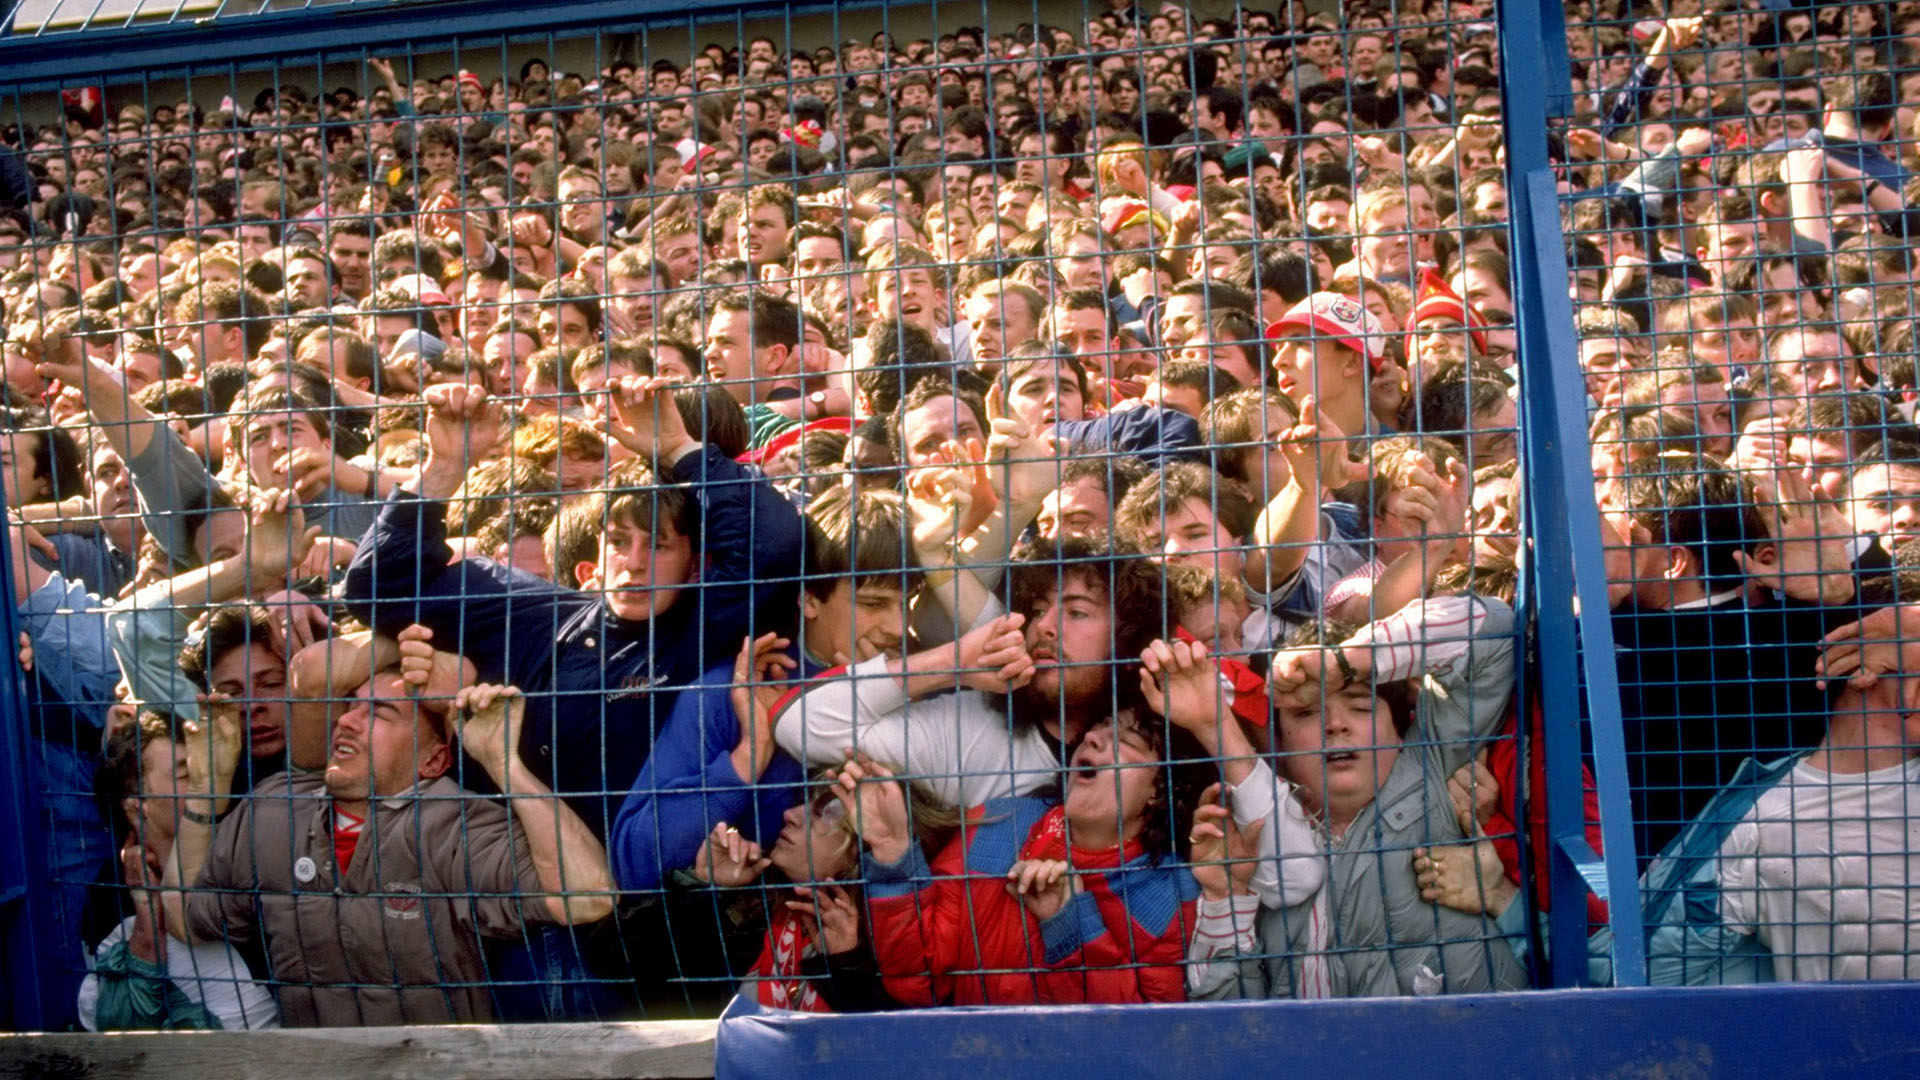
(952, 934)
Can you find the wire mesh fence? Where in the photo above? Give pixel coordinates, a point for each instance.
(991, 506)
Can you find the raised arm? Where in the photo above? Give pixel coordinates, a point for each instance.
(938, 500)
(402, 100)
(569, 860)
(1431, 505)
(127, 426)
(405, 573)
(172, 481)
(72, 662)
(1803, 170)
(1316, 452)
(752, 536)
(321, 679)
(958, 745)
(213, 752)
(1676, 34)
(1181, 683)
(715, 761)
(1463, 642)
(1023, 467)
(753, 541)
(1224, 855)
(916, 917)
(148, 628)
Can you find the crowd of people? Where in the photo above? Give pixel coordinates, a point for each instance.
(1030, 515)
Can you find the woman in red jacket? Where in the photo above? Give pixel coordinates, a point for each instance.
(1038, 899)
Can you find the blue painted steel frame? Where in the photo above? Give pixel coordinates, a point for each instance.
(1562, 520)
(169, 50)
(1806, 1031)
(26, 927)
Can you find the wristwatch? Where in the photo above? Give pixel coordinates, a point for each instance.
(1346, 666)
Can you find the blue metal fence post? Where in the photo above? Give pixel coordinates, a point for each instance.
(27, 936)
(1562, 518)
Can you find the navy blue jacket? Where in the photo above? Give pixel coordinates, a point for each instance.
(689, 785)
(1151, 432)
(17, 188)
(598, 686)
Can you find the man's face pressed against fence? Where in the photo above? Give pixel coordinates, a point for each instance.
(1726, 346)
(384, 744)
(1821, 459)
(1813, 361)
(163, 780)
(763, 236)
(1885, 499)
(931, 427)
(1340, 751)
(271, 437)
(748, 368)
(24, 480)
(1078, 509)
(1191, 534)
(564, 324)
(1070, 636)
(255, 678)
(855, 620)
(1044, 395)
(640, 573)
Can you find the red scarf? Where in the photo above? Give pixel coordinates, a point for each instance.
(1245, 688)
(1048, 840)
(781, 985)
(346, 837)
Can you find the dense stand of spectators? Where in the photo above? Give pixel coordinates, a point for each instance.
(1029, 516)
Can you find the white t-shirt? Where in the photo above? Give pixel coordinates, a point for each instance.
(1825, 870)
(211, 974)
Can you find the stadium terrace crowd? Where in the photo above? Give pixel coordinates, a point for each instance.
(1025, 516)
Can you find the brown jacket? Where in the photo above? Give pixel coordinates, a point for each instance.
(395, 939)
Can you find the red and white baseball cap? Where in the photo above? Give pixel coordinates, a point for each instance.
(1336, 317)
(1117, 214)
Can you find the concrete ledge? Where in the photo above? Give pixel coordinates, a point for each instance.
(662, 1049)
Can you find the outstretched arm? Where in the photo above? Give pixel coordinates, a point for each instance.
(569, 859)
(1316, 453)
(751, 535)
(148, 628)
(869, 700)
(213, 751)
(715, 761)
(172, 481)
(1179, 681)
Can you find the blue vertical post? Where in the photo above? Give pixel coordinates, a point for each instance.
(1562, 519)
(27, 933)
